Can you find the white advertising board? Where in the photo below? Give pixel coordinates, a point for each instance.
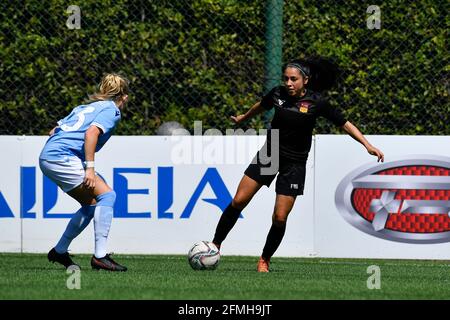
(170, 191)
(396, 209)
(10, 185)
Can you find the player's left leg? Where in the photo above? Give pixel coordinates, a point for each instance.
(76, 225)
(283, 206)
(290, 184)
(80, 219)
(68, 175)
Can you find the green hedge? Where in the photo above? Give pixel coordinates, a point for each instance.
(204, 60)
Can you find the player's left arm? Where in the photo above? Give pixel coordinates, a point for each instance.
(354, 132)
(52, 132)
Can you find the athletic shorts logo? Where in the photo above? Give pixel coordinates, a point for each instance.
(294, 186)
(406, 200)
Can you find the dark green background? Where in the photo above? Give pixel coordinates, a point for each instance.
(204, 60)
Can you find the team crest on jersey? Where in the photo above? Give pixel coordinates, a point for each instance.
(304, 106)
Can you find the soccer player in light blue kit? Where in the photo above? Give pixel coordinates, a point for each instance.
(68, 159)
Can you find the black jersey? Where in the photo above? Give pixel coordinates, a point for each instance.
(295, 118)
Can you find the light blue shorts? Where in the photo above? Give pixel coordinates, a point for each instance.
(67, 174)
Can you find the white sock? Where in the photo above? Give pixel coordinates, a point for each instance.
(102, 222)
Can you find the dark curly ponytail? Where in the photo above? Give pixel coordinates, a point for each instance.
(322, 73)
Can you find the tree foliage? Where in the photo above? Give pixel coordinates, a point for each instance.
(204, 60)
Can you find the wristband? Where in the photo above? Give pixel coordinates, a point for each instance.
(89, 164)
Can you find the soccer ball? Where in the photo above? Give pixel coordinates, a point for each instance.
(204, 255)
(172, 128)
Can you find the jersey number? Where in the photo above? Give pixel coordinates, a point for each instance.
(80, 120)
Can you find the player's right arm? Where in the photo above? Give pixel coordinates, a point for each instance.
(266, 103)
(90, 144)
(253, 111)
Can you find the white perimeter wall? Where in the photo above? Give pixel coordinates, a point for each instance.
(159, 177)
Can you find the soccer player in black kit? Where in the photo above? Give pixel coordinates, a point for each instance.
(297, 105)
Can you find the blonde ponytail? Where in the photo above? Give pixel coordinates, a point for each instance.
(112, 87)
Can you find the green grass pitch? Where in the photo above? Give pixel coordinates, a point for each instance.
(161, 277)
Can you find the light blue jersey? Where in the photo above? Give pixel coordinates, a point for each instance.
(68, 139)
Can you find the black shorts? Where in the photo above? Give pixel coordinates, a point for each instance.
(290, 180)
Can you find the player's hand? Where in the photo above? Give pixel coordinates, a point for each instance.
(89, 178)
(376, 152)
(238, 119)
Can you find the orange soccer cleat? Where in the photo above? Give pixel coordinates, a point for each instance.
(263, 265)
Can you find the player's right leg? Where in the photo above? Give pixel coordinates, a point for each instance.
(246, 190)
(104, 198)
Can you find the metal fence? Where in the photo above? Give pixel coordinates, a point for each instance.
(208, 59)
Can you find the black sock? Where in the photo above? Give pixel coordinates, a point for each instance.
(276, 234)
(226, 223)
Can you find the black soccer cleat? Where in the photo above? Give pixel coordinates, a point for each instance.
(62, 258)
(217, 245)
(106, 263)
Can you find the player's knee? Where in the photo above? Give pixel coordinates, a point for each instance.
(106, 199)
(239, 201)
(279, 220)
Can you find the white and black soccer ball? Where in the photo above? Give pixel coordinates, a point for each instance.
(204, 255)
(172, 128)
